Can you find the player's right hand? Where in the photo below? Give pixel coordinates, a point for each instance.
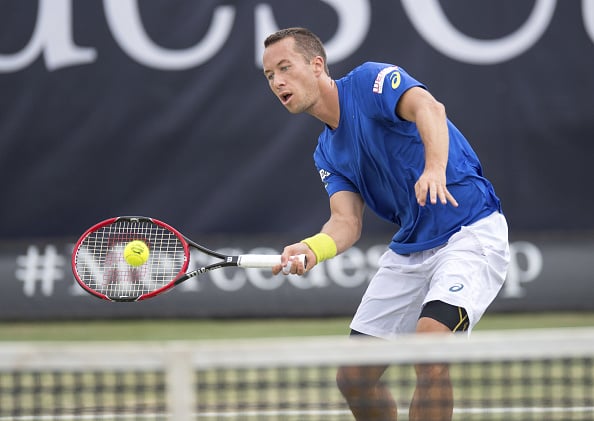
(291, 264)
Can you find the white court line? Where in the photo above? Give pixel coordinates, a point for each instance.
(309, 413)
(474, 411)
(526, 410)
(82, 417)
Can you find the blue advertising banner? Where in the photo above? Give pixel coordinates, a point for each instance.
(160, 108)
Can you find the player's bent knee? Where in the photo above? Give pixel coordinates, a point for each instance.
(347, 382)
(432, 371)
(355, 382)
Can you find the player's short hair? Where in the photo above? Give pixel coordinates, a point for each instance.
(306, 43)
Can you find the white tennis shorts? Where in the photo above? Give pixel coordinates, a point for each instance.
(468, 271)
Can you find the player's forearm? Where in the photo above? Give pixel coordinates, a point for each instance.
(343, 228)
(431, 122)
(344, 231)
(346, 219)
(337, 235)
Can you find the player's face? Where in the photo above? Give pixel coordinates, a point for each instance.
(290, 77)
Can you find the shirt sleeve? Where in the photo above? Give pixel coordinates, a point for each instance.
(390, 83)
(333, 181)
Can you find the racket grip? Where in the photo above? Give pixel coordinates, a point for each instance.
(264, 261)
(300, 257)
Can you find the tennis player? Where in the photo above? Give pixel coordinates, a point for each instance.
(387, 144)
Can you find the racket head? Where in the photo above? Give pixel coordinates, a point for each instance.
(99, 266)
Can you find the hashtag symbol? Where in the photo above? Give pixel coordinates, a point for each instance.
(44, 268)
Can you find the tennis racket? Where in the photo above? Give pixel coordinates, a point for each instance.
(100, 268)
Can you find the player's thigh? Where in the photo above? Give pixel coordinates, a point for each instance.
(393, 299)
(470, 270)
(437, 316)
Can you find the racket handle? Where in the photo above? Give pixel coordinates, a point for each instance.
(264, 261)
(300, 257)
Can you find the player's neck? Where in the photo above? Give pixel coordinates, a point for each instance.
(327, 109)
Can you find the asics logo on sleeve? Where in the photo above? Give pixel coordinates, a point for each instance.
(323, 175)
(378, 85)
(395, 78)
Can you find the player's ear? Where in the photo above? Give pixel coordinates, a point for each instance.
(318, 65)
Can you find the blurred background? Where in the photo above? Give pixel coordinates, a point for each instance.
(159, 108)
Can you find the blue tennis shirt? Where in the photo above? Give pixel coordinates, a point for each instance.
(380, 156)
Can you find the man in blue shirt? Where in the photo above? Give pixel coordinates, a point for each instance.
(388, 145)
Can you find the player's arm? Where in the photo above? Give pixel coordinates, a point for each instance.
(340, 232)
(346, 219)
(419, 106)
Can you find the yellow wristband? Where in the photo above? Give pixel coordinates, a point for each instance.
(322, 245)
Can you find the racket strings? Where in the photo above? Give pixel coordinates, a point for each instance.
(101, 265)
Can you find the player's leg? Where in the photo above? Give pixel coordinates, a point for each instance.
(368, 398)
(467, 273)
(433, 399)
(390, 307)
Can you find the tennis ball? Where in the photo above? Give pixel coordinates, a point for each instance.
(136, 253)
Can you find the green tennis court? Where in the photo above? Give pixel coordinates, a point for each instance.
(199, 329)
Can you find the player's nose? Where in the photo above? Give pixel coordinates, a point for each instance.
(278, 83)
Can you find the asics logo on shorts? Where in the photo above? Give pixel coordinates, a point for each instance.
(456, 287)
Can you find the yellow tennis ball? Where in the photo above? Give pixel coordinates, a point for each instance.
(136, 253)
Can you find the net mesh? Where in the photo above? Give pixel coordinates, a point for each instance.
(539, 375)
(100, 263)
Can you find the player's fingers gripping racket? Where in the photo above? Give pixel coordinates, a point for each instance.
(135, 258)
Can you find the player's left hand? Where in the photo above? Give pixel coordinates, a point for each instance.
(433, 184)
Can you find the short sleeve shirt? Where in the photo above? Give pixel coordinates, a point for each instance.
(378, 155)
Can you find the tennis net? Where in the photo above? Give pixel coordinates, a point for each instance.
(508, 375)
